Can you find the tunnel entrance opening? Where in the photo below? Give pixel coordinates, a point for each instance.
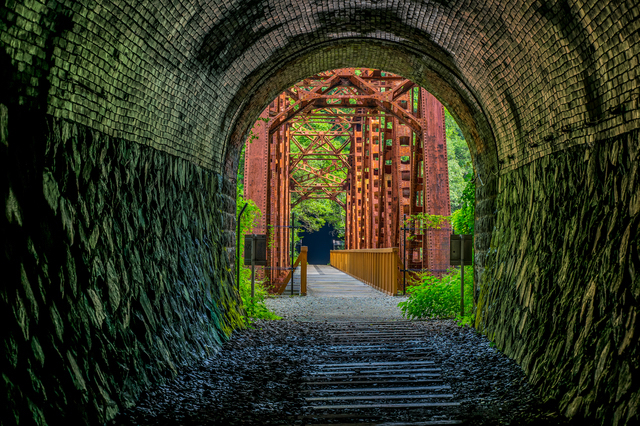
(446, 84)
(321, 243)
(363, 149)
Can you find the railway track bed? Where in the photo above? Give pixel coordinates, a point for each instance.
(396, 373)
(375, 373)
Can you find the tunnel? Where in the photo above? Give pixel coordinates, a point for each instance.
(121, 123)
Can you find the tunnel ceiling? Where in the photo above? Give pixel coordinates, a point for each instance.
(120, 128)
(189, 77)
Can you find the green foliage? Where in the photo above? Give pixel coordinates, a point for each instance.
(425, 220)
(439, 297)
(466, 321)
(311, 215)
(463, 220)
(459, 160)
(249, 217)
(256, 308)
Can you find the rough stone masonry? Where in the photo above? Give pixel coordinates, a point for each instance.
(120, 127)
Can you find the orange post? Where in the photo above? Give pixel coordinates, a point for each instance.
(303, 270)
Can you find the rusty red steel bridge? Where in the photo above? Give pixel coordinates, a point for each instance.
(371, 141)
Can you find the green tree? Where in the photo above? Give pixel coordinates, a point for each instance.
(311, 215)
(463, 220)
(459, 160)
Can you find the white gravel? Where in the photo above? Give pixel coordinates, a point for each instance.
(309, 308)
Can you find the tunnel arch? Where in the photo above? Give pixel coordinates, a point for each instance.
(143, 97)
(410, 63)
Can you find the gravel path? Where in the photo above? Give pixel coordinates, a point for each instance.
(335, 296)
(258, 378)
(309, 308)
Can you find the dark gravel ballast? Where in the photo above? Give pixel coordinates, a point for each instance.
(262, 377)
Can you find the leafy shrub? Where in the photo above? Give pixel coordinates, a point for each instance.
(439, 297)
(256, 308)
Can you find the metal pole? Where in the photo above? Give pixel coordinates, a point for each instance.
(404, 270)
(238, 247)
(462, 275)
(293, 224)
(253, 266)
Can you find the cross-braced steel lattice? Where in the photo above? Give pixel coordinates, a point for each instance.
(371, 141)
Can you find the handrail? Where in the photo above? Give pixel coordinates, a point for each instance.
(302, 260)
(379, 268)
(378, 250)
(303, 270)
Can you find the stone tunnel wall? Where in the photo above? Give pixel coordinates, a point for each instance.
(118, 252)
(148, 100)
(562, 288)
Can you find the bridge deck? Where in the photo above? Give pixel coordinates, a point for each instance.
(327, 281)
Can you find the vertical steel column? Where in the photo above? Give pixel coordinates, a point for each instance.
(395, 184)
(256, 173)
(293, 247)
(376, 191)
(404, 271)
(238, 236)
(436, 178)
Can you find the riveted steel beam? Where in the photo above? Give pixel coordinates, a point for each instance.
(372, 142)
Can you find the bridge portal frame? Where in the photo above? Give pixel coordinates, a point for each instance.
(396, 166)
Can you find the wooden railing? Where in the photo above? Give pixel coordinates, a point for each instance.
(302, 262)
(380, 268)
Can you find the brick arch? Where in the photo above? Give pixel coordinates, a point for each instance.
(426, 71)
(416, 65)
(520, 60)
(144, 102)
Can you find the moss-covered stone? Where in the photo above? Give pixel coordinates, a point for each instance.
(560, 289)
(118, 270)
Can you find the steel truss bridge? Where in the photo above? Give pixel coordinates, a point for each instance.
(374, 143)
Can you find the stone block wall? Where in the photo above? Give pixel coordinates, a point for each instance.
(109, 107)
(115, 269)
(561, 292)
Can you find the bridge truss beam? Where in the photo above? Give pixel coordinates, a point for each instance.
(372, 142)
